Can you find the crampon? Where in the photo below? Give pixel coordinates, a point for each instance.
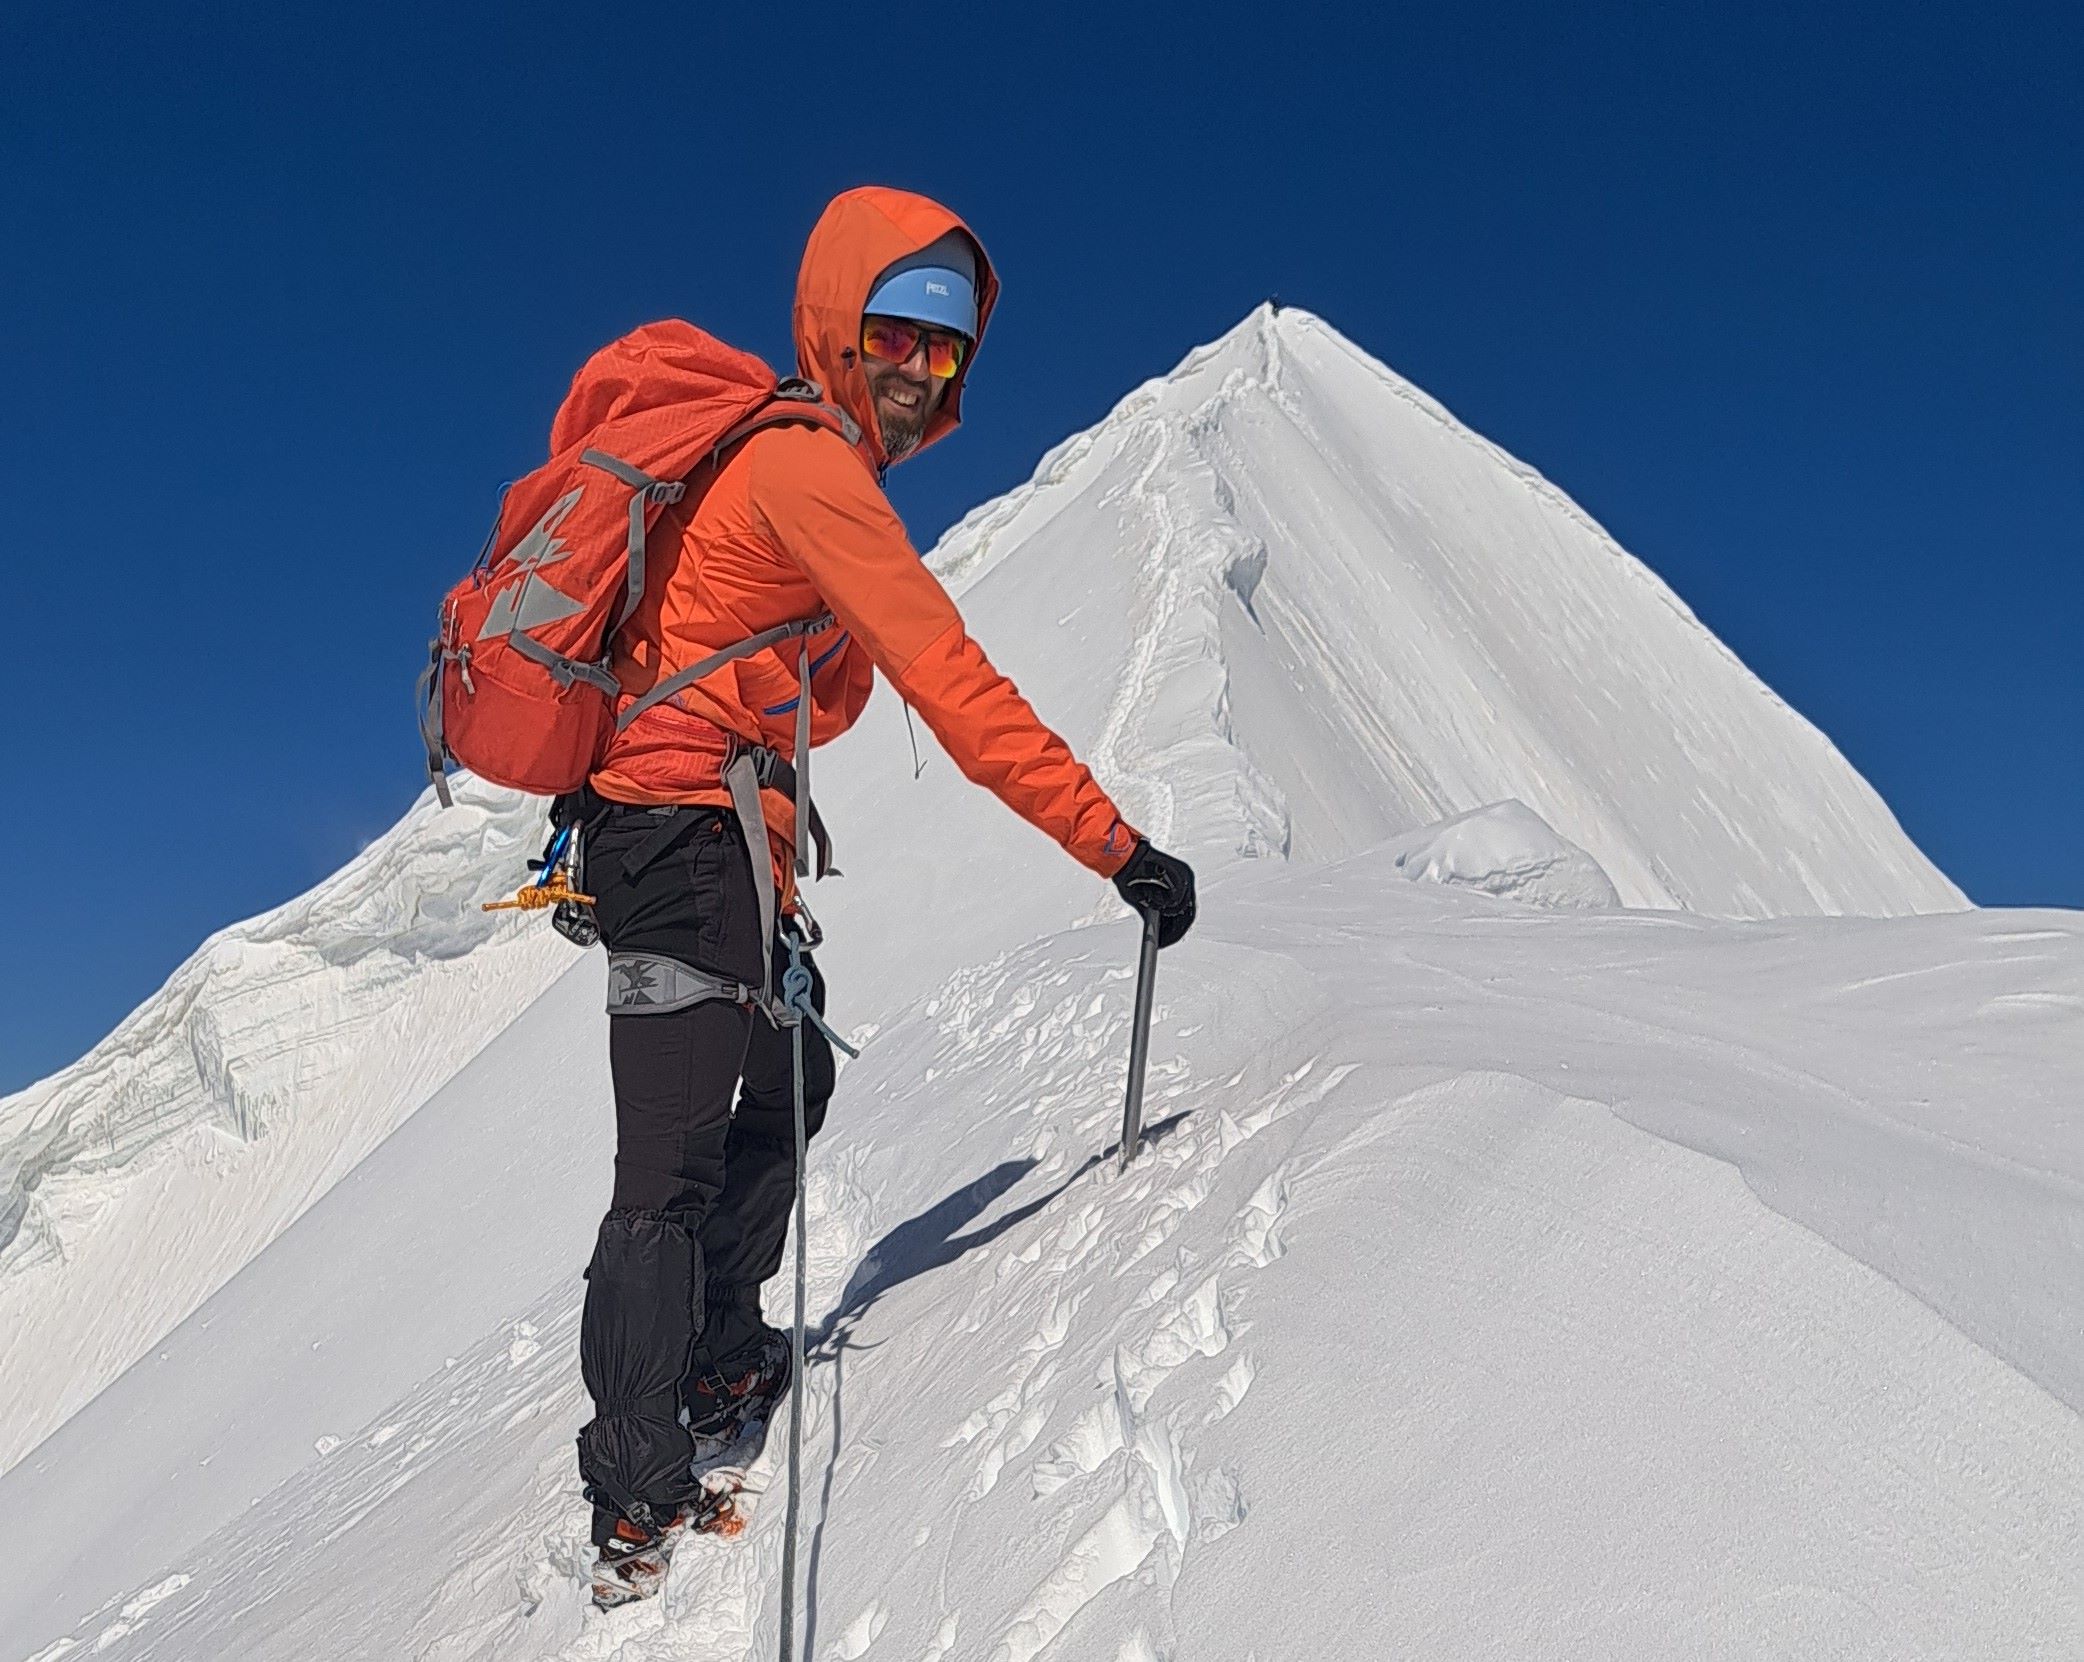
(632, 1564)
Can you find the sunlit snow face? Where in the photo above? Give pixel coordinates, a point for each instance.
(904, 397)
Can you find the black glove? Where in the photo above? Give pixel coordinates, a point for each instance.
(1155, 882)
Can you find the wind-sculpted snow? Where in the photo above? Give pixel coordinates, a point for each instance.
(1494, 1282)
(135, 1182)
(1508, 1272)
(1507, 850)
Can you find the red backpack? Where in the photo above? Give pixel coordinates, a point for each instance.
(517, 687)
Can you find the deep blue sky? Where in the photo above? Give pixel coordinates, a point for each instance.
(1788, 297)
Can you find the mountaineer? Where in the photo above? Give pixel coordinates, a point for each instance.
(789, 536)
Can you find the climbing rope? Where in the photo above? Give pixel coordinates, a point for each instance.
(796, 1002)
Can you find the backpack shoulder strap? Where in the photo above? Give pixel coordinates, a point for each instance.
(792, 401)
(795, 401)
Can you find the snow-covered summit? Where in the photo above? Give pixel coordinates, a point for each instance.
(1392, 621)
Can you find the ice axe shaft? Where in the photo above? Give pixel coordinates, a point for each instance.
(1140, 1038)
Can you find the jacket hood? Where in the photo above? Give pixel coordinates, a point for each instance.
(859, 235)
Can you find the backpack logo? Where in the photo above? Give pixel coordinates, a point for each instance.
(534, 601)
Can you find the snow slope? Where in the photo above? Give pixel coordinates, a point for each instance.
(134, 1183)
(1544, 1279)
(1498, 1282)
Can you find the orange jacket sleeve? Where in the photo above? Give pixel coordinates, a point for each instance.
(824, 510)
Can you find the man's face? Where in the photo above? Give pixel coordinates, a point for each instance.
(904, 397)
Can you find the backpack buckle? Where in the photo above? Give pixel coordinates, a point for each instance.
(766, 759)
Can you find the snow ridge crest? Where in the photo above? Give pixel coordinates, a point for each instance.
(1353, 617)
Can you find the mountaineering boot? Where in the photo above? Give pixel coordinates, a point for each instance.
(731, 1400)
(633, 1561)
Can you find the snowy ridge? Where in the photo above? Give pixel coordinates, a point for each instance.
(1389, 621)
(136, 1181)
(1507, 1272)
(1163, 748)
(1489, 1292)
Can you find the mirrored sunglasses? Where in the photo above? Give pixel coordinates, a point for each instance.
(893, 340)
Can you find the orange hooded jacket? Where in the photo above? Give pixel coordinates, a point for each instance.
(796, 523)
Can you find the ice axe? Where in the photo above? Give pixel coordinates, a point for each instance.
(1140, 1037)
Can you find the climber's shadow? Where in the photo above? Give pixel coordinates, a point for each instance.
(925, 1243)
(912, 1249)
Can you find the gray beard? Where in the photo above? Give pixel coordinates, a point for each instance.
(901, 435)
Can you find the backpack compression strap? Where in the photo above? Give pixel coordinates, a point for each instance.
(428, 696)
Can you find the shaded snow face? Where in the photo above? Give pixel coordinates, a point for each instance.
(134, 1183)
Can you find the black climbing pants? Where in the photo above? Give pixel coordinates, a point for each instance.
(704, 1145)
